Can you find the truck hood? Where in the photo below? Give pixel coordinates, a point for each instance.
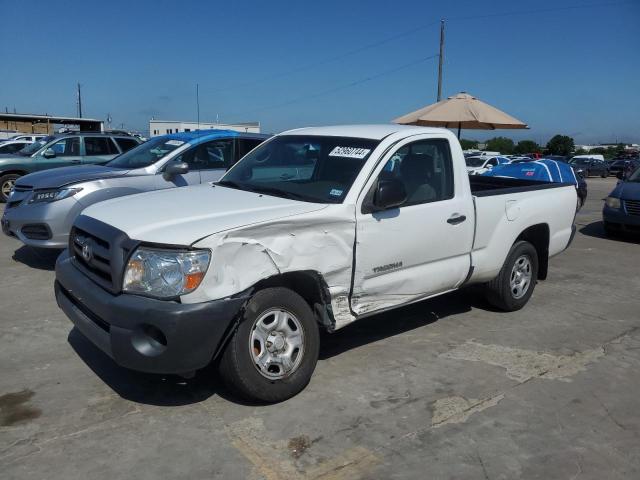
(182, 216)
(59, 177)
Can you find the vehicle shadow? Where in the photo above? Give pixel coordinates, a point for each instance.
(401, 320)
(39, 258)
(596, 229)
(173, 390)
(146, 388)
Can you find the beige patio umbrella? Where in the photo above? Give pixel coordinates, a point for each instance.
(461, 111)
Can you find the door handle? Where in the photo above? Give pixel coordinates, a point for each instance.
(75, 161)
(456, 219)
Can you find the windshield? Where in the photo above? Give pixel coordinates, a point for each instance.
(635, 176)
(475, 161)
(311, 168)
(35, 146)
(146, 154)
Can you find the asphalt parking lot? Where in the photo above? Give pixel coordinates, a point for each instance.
(446, 388)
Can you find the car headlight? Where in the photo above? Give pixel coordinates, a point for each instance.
(612, 202)
(165, 273)
(46, 196)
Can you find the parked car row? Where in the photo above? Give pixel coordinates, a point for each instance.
(59, 151)
(249, 267)
(44, 205)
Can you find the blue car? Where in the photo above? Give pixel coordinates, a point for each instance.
(621, 212)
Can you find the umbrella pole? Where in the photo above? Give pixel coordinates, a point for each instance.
(459, 127)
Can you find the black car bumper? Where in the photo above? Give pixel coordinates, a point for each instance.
(618, 219)
(143, 333)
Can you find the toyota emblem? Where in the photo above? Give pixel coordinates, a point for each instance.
(87, 253)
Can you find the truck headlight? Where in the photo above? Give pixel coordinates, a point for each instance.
(165, 273)
(46, 196)
(612, 202)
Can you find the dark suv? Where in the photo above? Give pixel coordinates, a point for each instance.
(61, 151)
(590, 166)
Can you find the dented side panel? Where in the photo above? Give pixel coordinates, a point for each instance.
(320, 241)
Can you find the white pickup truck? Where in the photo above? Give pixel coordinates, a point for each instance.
(315, 228)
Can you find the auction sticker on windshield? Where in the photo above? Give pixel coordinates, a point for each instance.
(175, 143)
(349, 152)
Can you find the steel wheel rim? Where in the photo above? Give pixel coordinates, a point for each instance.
(521, 275)
(276, 344)
(7, 186)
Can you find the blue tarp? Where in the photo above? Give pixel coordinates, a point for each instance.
(542, 170)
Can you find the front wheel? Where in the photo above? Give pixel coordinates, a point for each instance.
(273, 353)
(514, 285)
(7, 182)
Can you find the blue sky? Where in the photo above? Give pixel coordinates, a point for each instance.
(287, 63)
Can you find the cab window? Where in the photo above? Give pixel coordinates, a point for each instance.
(425, 169)
(209, 155)
(94, 146)
(66, 146)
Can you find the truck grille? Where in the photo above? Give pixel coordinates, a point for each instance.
(632, 207)
(100, 251)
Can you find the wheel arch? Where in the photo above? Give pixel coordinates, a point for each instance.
(13, 172)
(539, 236)
(311, 286)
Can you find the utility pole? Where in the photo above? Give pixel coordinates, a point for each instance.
(440, 60)
(79, 102)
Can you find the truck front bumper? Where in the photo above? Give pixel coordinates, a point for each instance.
(142, 333)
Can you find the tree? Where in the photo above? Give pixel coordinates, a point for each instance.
(468, 144)
(503, 145)
(526, 146)
(560, 145)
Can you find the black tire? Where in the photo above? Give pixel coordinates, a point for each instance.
(237, 366)
(499, 292)
(5, 182)
(586, 174)
(605, 174)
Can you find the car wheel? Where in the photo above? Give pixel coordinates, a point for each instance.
(7, 182)
(514, 285)
(605, 174)
(586, 174)
(274, 351)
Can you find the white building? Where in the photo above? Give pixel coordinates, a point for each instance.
(163, 127)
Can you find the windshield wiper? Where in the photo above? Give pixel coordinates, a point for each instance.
(280, 193)
(230, 184)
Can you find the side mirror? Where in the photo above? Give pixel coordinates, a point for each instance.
(389, 194)
(620, 175)
(173, 169)
(49, 153)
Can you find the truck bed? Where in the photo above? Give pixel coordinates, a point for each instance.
(488, 186)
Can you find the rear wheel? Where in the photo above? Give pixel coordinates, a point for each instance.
(605, 174)
(7, 182)
(274, 351)
(514, 285)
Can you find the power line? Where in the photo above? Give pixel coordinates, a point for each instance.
(338, 88)
(406, 33)
(327, 60)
